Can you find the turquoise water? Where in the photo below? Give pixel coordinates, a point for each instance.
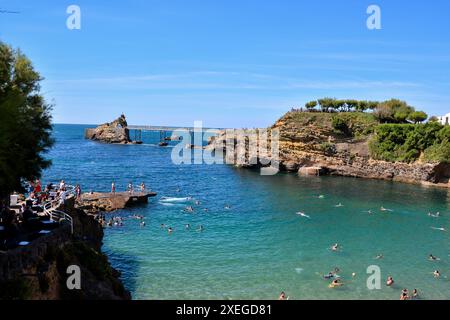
(259, 246)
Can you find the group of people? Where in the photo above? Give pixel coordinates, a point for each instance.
(23, 214)
(130, 187)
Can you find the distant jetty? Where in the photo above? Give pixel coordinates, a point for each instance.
(115, 132)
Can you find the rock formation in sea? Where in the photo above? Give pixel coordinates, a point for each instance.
(38, 271)
(112, 132)
(309, 145)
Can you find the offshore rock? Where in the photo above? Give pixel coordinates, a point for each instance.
(112, 132)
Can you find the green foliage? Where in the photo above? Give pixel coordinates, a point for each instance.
(433, 119)
(406, 142)
(417, 116)
(15, 289)
(340, 125)
(397, 111)
(311, 105)
(328, 148)
(438, 152)
(25, 122)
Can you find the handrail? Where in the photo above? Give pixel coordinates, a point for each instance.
(50, 208)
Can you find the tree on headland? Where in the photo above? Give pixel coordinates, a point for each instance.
(417, 116)
(311, 105)
(393, 111)
(25, 122)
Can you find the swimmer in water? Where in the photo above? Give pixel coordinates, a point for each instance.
(188, 226)
(335, 247)
(282, 296)
(389, 281)
(302, 214)
(415, 294)
(433, 258)
(197, 202)
(353, 274)
(169, 230)
(339, 205)
(142, 223)
(205, 209)
(335, 283)
(436, 274)
(227, 207)
(189, 209)
(380, 256)
(440, 229)
(321, 196)
(404, 295)
(384, 209)
(200, 229)
(163, 225)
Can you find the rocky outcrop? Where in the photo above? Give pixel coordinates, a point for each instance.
(113, 132)
(108, 202)
(38, 271)
(308, 145)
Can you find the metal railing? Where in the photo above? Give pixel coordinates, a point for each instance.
(50, 208)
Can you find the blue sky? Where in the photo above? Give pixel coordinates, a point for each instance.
(229, 63)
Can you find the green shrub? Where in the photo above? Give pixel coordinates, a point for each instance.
(328, 148)
(405, 142)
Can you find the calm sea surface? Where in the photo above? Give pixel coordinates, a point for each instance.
(259, 246)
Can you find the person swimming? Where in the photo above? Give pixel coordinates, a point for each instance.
(339, 205)
(227, 207)
(197, 202)
(436, 274)
(200, 229)
(433, 258)
(436, 215)
(439, 229)
(169, 230)
(187, 226)
(390, 281)
(415, 294)
(380, 256)
(384, 209)
(163, 225)
(404, 295)
(336, 283)
(335, 247)
(302, 214)
(282, 296)
(189, 209)
(142, 223)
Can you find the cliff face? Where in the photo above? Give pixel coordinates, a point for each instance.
(310, 145)
(113, 132)
(39, 270)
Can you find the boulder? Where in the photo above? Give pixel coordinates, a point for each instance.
(113, 132)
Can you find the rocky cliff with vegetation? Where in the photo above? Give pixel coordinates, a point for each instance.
(39, 271)
(390, 143)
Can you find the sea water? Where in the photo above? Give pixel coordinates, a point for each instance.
(254, 245)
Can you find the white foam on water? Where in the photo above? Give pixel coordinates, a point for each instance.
(175, 199)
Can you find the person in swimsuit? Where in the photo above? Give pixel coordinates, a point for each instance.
(389, 281)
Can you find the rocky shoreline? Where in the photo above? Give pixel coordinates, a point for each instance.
(315, 149)
(39, 271)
